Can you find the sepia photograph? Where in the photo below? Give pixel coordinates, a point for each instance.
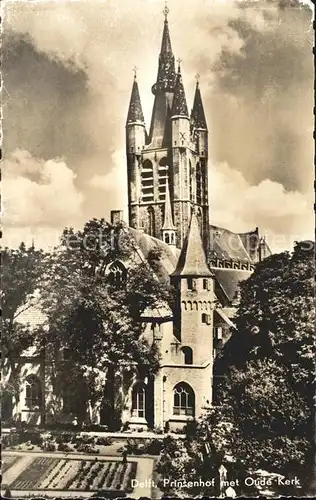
(158, 249)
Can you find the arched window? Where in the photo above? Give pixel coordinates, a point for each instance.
(183, 400)
(33, 392)
(147, 181)
(138, 400)
(117, 273)
(151, 221)
(188, 355)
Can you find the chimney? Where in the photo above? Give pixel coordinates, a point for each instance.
(116, 217)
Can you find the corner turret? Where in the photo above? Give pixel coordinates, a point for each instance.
(198, 122)
(135, 143)
(180, 115)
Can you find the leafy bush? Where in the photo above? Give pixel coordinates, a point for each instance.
(125, 426)
(64, 437)
(86, 448)
(48, 446)
(158, 430)
(64, 447)
(86, 439)
(8, 440)
(153, 447)
(131, 446)
(105, 441)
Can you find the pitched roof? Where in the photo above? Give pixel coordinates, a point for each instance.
(198, 116)
(226, 244)
(192, 260)
(228, 280)
(135, 111)
(146, 243)
(168, 220)
(159, 311)
(179, 103)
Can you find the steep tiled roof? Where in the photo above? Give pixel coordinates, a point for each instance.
(198, 119)
(228, 280)
(160, 311)
(179, 103)
(146, 243)
(225, 244)
(135, 111)
(192, 260)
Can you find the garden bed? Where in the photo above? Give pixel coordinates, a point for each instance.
(46, 473)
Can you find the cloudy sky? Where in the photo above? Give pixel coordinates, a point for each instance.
(67, 81)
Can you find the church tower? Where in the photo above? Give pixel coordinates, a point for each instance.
(194, 283)
(171, 160)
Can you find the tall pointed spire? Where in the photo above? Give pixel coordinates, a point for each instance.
(179, 104)
(166, 42)
(192, 260)
(135, 111)
(168, 220)
(197, 115)
(166, 68)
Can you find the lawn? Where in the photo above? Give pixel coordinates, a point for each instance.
(8, 462)
(71, 474)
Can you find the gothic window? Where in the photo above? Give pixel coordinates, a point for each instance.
(147, 181)
(188, 355)
(151, 221)
(162, 178)
(183, 400)
(138, 400)
(205, 284)
(167, 240)
(198, 184)
(33, 393)
(117, 273)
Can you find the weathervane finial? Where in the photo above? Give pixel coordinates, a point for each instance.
(165, 11)
(197, 77)
(179, 61)
(135, 69)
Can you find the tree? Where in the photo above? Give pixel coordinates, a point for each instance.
(22, 272)
(263, 418)
(267, 370)
(97, 321)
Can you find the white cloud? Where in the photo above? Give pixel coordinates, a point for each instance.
(114, 182)
(106, 41)
(39, 197)
(284, 216)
